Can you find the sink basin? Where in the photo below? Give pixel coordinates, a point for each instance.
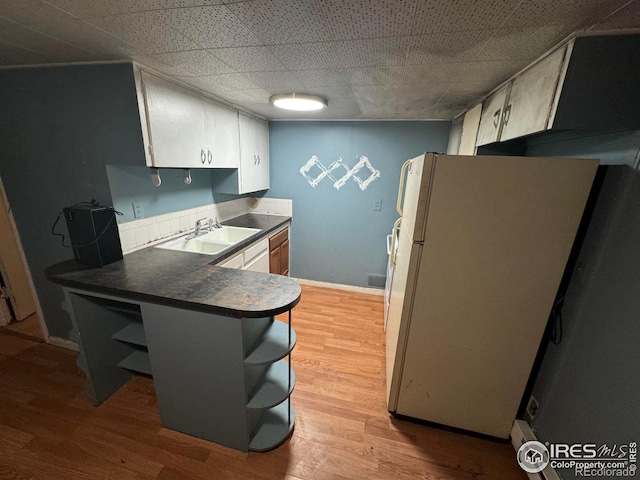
(210, 243)
(227, 234)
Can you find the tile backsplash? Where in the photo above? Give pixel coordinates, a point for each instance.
(144, 232)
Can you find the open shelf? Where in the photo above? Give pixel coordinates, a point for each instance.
(274, 427)
(273, 345)
(138, 361)
(132, 333)
(274, 386)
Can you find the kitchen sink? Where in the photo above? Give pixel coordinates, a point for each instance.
(227, 234)
(210, 243)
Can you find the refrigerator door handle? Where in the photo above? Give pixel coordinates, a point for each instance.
(389, 243)
(392, 258)
(403, 172)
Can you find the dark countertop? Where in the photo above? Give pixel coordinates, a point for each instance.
(190, 280)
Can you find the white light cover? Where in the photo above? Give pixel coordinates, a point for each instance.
(298, 101)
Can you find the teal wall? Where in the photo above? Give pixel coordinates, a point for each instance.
(133, 183)
(587, 386)
(336, 236)
(59, 127)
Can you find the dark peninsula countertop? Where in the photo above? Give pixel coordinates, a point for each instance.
(190, 280)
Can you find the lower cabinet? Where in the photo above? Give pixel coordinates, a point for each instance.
(227, 380)
(279, 253)
(254, 258)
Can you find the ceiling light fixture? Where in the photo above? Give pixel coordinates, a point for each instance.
(298, 101)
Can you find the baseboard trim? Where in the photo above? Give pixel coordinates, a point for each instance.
(63, 343)
(521, 433)
(339, 286)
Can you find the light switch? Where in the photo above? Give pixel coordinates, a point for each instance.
(377, 204)
(138, 212)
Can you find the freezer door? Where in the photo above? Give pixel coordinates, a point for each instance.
(498, 236)
(407, 259)
(416, 194)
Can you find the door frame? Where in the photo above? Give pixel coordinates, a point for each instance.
(14, 230)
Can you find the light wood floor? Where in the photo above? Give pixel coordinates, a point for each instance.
(50, 430)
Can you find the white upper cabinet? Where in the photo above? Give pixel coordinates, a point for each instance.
(221, 127)
(590, 83)
(185, 129)
(254, 155)
(531, 98)
(491, 118)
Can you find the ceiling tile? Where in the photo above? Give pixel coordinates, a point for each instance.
(329, 77)
(391, 75)
(51, 49)
(572, 14)
(494, 72)
(446, 47)
(222, 83)
(49, 20)
(374, 101)
(353, 19)
(211, 27)
(101, 8)
(372, 52)
(627, 17)
(437, 16)
(519, 43)
(13, 55)
(195, 63)
(427, 73)
(147, 32)
(306, 56)
(249, 59)
(282, 21)
(276, 82)
(255, 96)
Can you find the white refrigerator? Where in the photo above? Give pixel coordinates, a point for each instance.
(482, 246)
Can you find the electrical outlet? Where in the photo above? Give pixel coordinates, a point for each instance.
(138, 212)
(377, 204)
(532, 407)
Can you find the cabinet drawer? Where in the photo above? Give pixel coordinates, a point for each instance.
(234, 262)
(278, 238)
(255, 250)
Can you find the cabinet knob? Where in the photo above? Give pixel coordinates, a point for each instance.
(203, 156)
(496, 118)
(507, 114)
(209, 156)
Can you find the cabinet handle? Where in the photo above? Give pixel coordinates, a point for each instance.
(255, 159)
(496, 117)
(394, 250)
(258, 159)
(209, 156)
(203, 156)
(507, 114)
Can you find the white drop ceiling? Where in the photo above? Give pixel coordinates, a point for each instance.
(375, 59)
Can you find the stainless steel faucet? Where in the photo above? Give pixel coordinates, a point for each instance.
(197, 230)
(214, 224)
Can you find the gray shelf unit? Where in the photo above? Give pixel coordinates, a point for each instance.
(96, 321)
(226, 380)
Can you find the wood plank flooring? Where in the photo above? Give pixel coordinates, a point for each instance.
(50, 430)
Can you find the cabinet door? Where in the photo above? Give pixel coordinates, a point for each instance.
(284, 258)
(222, 136)
(470, 126)
(254, 155)
(259, 264)
(234, 262)
(531, 97)
(275, 260)
(491, 118)
(175, 122)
